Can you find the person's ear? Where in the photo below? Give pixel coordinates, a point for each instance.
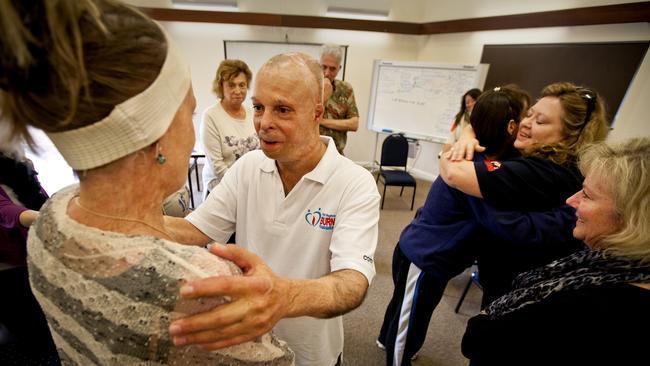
(512, 127)
(318, 112)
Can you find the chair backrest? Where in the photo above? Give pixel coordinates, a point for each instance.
(394, 151)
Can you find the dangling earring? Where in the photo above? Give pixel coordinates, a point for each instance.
(161, 159)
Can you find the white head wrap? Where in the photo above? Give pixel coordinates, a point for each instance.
(133, 124)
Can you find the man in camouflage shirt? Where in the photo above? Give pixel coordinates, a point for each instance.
(341, 114)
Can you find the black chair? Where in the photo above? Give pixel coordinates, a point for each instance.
(394, 154)
(194, 166)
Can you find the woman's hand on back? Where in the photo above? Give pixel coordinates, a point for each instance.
(465, 147)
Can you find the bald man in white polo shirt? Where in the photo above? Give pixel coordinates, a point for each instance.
(307, 213)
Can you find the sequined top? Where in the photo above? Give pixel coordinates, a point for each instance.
(340, 105)
(109, 297)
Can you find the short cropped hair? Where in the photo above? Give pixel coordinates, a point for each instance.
(307, 61)
(624, 170)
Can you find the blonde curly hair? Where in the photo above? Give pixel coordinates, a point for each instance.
(583, 122)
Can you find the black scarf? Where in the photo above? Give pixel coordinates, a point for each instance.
(584, 268)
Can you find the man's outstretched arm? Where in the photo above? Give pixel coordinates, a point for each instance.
(259, 299)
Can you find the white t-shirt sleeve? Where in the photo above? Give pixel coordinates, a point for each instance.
(354, 239)
(216, 216)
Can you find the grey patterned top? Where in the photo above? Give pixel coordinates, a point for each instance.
(109, 297)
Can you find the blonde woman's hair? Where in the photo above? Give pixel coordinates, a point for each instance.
(624, 170)
(584, 121)
(228, 70)
(66, 64)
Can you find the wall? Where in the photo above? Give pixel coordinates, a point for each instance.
(467, 48)
(417, 11)
(632, 119)
(202, 43)
(203, 46)
(463, 9)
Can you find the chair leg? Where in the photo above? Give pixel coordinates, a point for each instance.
(413, 199)
(462, 296)
(401, 191)
(383, 197)
(196, 171)
(189, 182)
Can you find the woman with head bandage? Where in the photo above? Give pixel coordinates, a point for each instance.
(113, 94)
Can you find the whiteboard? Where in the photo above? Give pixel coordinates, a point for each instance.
(419, 99)
(256, 53)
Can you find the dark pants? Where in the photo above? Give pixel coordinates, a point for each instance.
(416, 293)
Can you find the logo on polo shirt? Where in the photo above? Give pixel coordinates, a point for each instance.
(322, 220)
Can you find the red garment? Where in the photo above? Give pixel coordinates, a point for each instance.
(17, 179)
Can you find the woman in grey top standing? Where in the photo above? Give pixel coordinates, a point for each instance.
(227, 130)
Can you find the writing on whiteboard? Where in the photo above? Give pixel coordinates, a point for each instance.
(406, 101)
(419, 99)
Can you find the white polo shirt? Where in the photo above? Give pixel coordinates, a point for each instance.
(327, 222)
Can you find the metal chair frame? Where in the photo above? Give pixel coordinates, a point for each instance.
(394, 153)
(473, 278)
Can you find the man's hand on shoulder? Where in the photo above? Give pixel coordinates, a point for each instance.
(259, 299)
